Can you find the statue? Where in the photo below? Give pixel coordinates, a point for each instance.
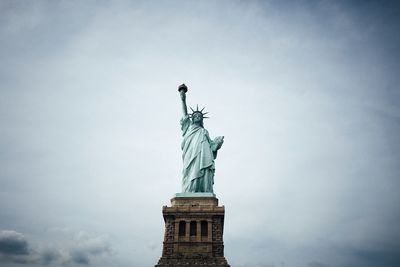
(198, 150)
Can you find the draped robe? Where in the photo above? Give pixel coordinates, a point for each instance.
(198, 153)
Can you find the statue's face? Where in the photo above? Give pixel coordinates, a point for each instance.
(197, 117)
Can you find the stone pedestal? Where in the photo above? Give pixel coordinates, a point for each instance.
(194, 228)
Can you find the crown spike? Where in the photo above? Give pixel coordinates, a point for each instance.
(191, 109)
(197, 107)
(202, 109)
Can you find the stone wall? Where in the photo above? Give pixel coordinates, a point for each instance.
(193, 248)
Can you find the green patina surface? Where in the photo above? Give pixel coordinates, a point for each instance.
(198, 150)
(192, 194)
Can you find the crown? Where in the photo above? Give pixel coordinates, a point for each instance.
(198, 111)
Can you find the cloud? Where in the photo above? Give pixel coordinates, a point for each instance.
(316, 264)
(80, 257)
(15, 248)
(86, 247)
(50, 255)
(13, 243)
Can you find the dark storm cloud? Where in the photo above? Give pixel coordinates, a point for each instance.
(15, 248)
(384, 252)
(13, 243)
(381, 257)
(378, 257)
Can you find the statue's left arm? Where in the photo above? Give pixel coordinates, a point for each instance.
(216, 144)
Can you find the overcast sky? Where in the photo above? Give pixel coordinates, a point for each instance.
(306, 94)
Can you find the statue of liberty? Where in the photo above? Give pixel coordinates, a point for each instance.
(198, 150)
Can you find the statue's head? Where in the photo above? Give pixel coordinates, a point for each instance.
(197, 115)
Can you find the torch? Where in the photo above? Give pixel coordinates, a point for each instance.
(182, 88)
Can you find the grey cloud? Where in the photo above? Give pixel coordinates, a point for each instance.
(93, 245)
(378, 257)
(15, 248)
(49, 256)
(85, 247)
(13, 243)
(316, 264)
(81, 257)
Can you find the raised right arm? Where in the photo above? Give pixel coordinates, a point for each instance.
(185, 121)
(184, 107)
(182, 91)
